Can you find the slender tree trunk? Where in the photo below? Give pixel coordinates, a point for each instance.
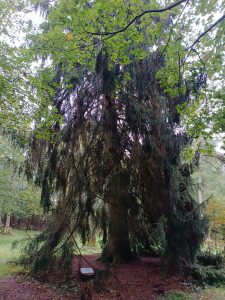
(1, 224)
(7, 224)
(201, 196)
(92, 240)
(13, 222)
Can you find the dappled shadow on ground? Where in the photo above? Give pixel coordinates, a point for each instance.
(139, 280)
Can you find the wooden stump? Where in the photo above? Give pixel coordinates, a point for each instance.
(86, 276)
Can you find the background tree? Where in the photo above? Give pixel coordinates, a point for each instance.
(18, 99)
(17, 197)
(211, 170)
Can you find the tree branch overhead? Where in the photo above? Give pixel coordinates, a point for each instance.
(112, 33)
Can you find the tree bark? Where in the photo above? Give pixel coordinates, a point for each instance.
(201, 196)
(7, 224)
(92, 240)
(118, 246)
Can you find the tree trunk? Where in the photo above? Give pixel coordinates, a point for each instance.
(7, 224)
(92, 240)
(13, 222)
(201, 196)
(118, 246)
(1, 224)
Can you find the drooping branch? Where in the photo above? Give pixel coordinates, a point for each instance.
(217, 156)
(149, 11)
(206, 31)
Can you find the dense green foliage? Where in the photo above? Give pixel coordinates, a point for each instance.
(76, 30)
(210, 259)
(209, 276)
(14, 89)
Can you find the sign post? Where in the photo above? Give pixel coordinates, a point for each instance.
(86, 276)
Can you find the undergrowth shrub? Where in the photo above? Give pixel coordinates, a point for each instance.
(209, 270)
(209, 276)
(210, 259)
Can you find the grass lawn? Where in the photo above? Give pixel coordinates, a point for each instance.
(207, 294)
(7, 254)
(211, 294)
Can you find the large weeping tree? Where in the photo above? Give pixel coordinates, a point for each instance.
(113, 161)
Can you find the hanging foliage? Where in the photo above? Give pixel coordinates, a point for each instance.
(113, 159)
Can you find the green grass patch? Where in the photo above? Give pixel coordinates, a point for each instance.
(8, 256)
(214, 294)
(175, 296)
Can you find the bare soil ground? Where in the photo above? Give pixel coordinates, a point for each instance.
(17, 288)
(138, 280)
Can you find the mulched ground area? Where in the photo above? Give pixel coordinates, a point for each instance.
(138, 280)
(18, 288)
